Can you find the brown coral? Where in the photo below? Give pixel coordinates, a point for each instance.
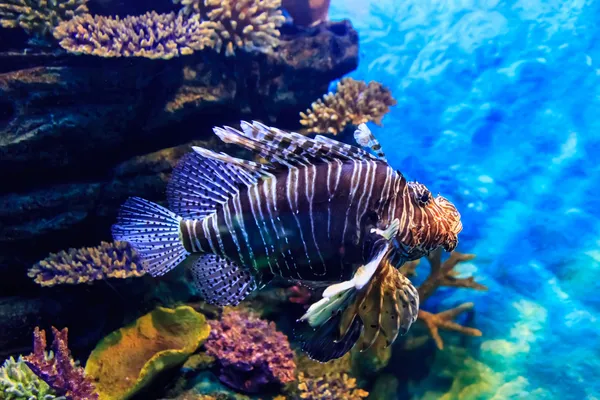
(354, 102)
(332, 385)
(443, 274)
(74, 266)
(244, 24)
(39, 17)
(151, 35)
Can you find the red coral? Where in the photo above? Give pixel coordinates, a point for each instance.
(59, 371)
(250, 352)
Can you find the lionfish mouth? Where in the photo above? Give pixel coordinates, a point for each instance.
(454, 225)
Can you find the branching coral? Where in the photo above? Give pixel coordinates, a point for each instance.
(151, 35)
(250, 352)
(443, 274)
(332, 385)
(242, 24)
(246, 24)
(74, 266)
(17, 382)
(39, 17)
(354, 102)
(59, 371)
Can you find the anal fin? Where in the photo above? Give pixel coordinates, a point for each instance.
(222, 282)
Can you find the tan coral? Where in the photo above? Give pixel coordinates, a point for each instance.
(75, 266)
(150, 35)
(244, 24)
(443, 274)
(39, 17)
(354, 102)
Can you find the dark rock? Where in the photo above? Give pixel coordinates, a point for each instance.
(67, 117)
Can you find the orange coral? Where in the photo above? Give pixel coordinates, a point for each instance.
(443, 274)
(354, 102)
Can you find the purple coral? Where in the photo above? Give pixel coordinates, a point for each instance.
(59, 371)
(250, 352)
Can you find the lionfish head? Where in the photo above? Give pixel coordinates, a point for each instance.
(435, 222)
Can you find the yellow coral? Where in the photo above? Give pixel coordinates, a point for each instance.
(126, 360)
(39, 17)
(354, 102)
(85, 265)
(239, 24)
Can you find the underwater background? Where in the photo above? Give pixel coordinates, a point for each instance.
(491, 104)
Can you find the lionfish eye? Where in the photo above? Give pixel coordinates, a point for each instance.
(425, 197)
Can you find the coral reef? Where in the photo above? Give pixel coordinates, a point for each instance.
(74, 266)
(250, 352)
(59, 370)
(329, 386)
(307, 12)
(91, 137)
(17, 382)
(127, 360)
(39, 17)
(443, 274)
(151, 35)
(354, 102)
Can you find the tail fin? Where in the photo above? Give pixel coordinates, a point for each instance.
(387, 305)
(153, 231)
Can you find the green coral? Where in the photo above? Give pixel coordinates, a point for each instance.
(18, 382)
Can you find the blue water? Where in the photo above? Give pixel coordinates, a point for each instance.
(499, 110)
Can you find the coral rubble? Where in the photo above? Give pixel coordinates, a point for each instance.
(39, 17)
(74, 266)
(151, 35)
(127, 360)
(59, 371)
(354, 102)
(250, 352)
(18, 382)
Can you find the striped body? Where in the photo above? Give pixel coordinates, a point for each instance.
(306, 223)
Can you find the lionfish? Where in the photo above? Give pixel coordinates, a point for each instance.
(316, 212)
